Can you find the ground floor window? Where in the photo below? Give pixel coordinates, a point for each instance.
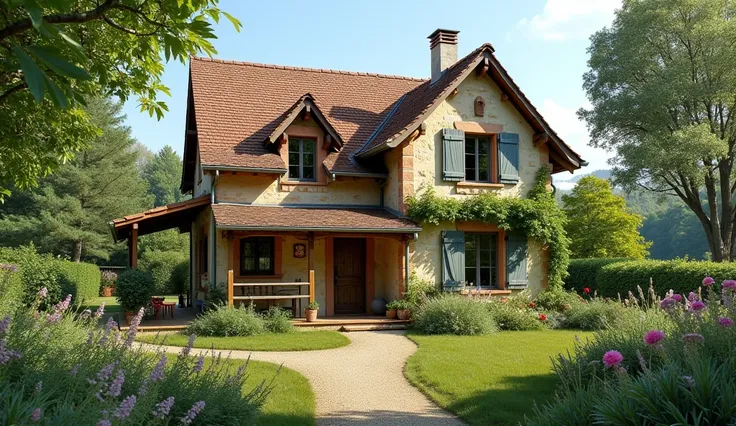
(257, 256)
(481, 260)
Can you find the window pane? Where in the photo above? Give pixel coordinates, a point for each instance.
(308, 145)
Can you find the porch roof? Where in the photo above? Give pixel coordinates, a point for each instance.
(287, 218)
(176, 215)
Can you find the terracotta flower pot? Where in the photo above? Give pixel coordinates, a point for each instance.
(391, 313)
(404, 314)
(311, 314)
(107, 291)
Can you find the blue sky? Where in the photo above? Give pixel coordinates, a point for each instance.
(542, 43)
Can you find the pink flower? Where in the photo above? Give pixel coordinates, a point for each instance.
(708, 281)
(693, 338)
(612, 358)
(697, 306)
(652, 337)
(729, 284)
(725, 322)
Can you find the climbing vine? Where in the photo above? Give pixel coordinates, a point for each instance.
(537, 216)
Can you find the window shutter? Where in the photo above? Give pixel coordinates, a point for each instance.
(508, 157)
(453, 155)
(516, 254)
(453, 260)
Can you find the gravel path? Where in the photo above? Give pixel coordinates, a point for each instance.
(362, 383)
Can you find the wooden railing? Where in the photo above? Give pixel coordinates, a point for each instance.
(231, 285)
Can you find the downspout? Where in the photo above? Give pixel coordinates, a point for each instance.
(213, 233)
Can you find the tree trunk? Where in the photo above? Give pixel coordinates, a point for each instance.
(77, 251)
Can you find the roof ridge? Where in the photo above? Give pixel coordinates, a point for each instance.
(318, 70)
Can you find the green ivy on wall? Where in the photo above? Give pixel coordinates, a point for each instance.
(537, 216)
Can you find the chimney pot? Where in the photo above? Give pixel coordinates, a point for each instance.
(443, 45)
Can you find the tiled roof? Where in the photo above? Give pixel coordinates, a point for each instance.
(238, 216)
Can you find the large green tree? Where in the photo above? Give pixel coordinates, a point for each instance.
(68, 213)
(55, 52)
(163, 174)
(662, 83)
(599, 224)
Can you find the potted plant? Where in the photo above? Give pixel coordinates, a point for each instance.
(134, 290)
(107, 283)
(391, 309)
(310, 312)
(403, 310)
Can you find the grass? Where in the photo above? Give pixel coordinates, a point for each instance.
(494, 379)
(112, 304)
(291, 401)
(296, 341)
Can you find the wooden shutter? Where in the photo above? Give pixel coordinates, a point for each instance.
(508, 157)
(516, 262)
(453, 155)
(453, 259)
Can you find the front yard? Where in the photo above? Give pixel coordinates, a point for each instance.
(489, 380)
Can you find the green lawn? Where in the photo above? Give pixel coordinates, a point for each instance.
(296, 341)
(489, 380)
(111, 303)
(291, 401)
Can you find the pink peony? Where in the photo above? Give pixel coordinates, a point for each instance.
(652, 337)
(612, 358)
(708, 281)
(725, 322)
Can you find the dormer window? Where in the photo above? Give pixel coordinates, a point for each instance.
(301, 159)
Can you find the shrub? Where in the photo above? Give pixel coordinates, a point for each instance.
(583, 272)
(228, 321)
(36, 271)
(180, 277)
(161, 265)
(278, 320)
(81, 280)
(134, 289)
(452, 314)
(516, 314)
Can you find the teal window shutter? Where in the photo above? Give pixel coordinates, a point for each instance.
(453, 260)
(453, 155)
(508, 157)
(516, 262)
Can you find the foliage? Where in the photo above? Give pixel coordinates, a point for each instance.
(228, 321)
(312, 306)
(278, 320)
(134, 289)
(180, 277)
(69, 370)
(56, 52)
(163, 174)
(68, 213)
(537, 216)
(582, 273)
(515, 313)
(599, 224)
(662, 84)
(81, 280)
(36, 271)
(278, 342)
(452, 314)
(161, 265)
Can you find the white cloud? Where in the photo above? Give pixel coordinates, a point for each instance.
(565, 123)
(569, 19)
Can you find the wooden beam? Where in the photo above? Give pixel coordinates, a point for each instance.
(541, 138)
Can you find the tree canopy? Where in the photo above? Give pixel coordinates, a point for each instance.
(53, 53)
(599, 224)
(662, 84)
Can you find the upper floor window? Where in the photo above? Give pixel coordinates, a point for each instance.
(302, 159)
(478, 158)
(257, 256)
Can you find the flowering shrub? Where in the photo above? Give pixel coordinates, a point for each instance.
(60, 367)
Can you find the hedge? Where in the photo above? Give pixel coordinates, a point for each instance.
(679, 275)
(582, 272)
(81, 280)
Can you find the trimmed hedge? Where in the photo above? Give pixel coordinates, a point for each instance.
(583, 272)
(81, 280)
(679, 275)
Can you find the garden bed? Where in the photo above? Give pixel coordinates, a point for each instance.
(275, 342)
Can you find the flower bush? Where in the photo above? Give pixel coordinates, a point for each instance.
(453, 314)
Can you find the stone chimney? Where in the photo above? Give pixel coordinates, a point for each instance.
(443, 44)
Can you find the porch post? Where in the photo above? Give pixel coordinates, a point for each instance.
(133, 247)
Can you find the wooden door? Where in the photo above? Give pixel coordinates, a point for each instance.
(349, 275)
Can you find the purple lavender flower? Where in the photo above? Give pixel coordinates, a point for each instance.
(198, 365)
(125, 408)
(36, 415)
(43, 292)
(5, 324)
(192, 413)
(163, 408)
(133, 329)
(100, 310)
(7, 355)
(188, 348)
(693, 338)
(117, 384)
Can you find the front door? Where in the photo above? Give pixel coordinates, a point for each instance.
(349, 275)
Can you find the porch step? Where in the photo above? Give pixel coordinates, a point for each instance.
(373, 327)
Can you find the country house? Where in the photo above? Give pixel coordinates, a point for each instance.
(300, 176)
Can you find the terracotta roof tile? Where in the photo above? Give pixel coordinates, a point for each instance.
(236, 216)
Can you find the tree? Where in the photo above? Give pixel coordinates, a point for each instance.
(662, 82)
(599, 224)
(68, 213)
(55, 52)
(163, 174)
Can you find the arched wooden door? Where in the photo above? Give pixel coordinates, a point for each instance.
(349, 276)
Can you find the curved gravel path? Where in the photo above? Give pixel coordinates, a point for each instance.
(362, 383)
